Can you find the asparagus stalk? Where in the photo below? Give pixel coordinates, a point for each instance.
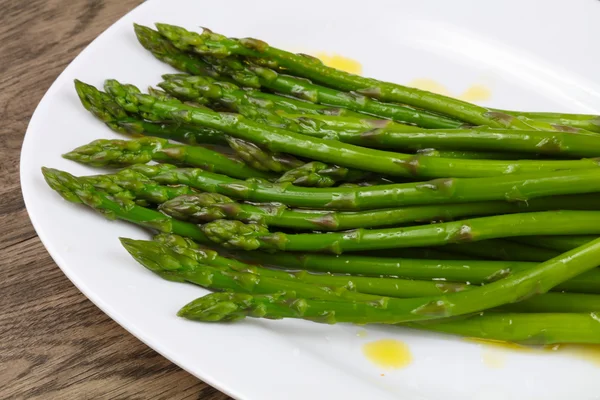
(182, 264)
(206, 207)
(578, 121)
(137, 187)
(521, 285)
(367, 132)
(305, 90)
(236, 234)
(212, 44)
(77, 190)
(499, 249)
(475, 272)
(389, 135)
(442, 191)
(528, 329)
(203, 267)
(282, 141)
(558, 243)
(119, 153)
(102, 106)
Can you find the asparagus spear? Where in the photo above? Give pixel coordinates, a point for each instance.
(389, 135)
(206, 268)
(77, 190)
(528, 329)
(212, 44)
(119, 153)
(441, 191)
(580, 121)
(519, 286)
(206, 207)
(282, 141)
(114, 116)
(236, 234)
(301, 88)
(559, 243)
(182, 264)
(475, 272)
(137, 187)
(385, 133)
(499, 249)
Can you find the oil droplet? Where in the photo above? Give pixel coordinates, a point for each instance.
(473, 93)
(587, 352)
(361, 333)
(388, 353)
(500, 344)
(476, 93)
(493, 358)
(340, 62)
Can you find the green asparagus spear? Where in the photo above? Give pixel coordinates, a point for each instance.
(119, 153)
(137, 187)
(519, 286)
(206, 268)
(558, 243)
(580, 121)
(212, 44)
(389, 135)
(187, 264)
(441, 191)
(198, 86)
(206, 207)
(500, 249)
(281, 141)
(475, 272)
(77, 190)
(237, 234)
(114, 116)
(528, 329)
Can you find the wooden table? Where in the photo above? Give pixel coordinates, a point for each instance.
(54, 343)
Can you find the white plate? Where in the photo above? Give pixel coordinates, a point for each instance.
(531, 54)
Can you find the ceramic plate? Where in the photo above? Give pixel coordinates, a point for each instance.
(535, 55)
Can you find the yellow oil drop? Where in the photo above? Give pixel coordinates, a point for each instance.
(388, 353)
(473, 93)
(361, 333)
(493, 358)
(340, 62)
(587, 352)
(430, 85)
(476, 93)
(500, 344)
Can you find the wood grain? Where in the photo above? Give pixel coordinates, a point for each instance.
(54, 343)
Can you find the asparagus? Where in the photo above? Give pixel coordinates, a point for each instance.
(80, 191)
(389, 135)
(212, 44)
(559, 243)
(206, 207)
(499, 249)
(119, 153)
(534, 281)
(102, 106)
(528, 329)
(281, 141)
(205, 268)
(441, 191)
(303, 89)
(474, 272)
(137, 187)
(579, 121)
(237, 234)
(353, 130)
(182, 263)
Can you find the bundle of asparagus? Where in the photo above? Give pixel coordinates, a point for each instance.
(485, 222)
